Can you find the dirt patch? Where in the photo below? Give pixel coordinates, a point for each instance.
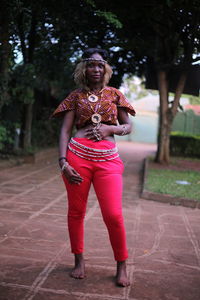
(178, 164)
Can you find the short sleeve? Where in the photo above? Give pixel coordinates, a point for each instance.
(67, 104)
(123, 103)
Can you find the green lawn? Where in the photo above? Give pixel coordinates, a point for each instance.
(164, 181)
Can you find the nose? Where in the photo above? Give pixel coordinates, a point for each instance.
(96, 69)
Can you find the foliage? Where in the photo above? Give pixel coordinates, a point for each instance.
(51, 35)
(159, 39)
(194, 100)
(133, 87)
(182, 144)
(6, 139)
(25, 81)
(164, 181)
(110, 17)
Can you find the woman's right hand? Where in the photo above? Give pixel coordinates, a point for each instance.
(71, 174)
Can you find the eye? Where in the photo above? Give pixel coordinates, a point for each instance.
(90, 65)
(101, 66)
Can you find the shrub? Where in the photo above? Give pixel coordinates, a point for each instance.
(183, 144)
(6, 138)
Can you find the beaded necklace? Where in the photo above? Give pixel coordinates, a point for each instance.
(92, 98)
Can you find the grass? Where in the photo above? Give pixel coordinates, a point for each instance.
(163, 181)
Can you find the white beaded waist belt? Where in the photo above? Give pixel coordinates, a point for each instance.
(91, 153)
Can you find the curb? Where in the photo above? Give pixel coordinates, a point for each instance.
(165, 198)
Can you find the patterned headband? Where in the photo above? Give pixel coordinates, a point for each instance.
(94, 59)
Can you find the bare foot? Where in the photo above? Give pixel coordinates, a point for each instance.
(121, 276)
(78, 271)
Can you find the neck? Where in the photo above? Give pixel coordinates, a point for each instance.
(95, 87)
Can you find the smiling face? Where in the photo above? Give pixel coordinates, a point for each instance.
(95, 69)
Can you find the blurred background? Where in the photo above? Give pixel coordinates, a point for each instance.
(154, 49)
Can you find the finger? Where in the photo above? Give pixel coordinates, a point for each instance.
(75, 181)
(89, 136)
(75, 174)
(89, 131)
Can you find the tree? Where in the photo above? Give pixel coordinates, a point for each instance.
(5, 51)
(167, 35)
(47, 33)
(51, 34)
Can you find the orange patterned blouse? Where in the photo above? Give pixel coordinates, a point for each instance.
(108, 101)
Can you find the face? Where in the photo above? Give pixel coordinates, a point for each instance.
(95, 70)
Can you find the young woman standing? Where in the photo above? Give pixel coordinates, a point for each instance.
(98, 112)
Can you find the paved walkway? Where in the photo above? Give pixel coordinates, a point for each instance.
(35, 259)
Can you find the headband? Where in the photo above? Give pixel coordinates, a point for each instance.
(94, 59)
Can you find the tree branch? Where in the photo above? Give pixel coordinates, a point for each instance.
(178, 92)
(22, 36)
(31, 39)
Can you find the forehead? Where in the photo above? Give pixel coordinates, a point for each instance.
(96, 56)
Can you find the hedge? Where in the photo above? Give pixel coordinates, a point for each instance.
(183, 144)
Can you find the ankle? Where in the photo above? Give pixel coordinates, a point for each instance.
(78, 258)
(121, 264)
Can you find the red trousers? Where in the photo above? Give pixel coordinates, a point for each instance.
(106, 177)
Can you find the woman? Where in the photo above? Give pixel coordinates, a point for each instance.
(91, 155)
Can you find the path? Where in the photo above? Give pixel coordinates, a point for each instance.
(35, 259)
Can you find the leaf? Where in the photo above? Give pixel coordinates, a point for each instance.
(110, 17)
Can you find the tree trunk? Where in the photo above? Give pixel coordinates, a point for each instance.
(4, 53)
(166, 115)
(28, 58)
(28, 126)
(162, 155)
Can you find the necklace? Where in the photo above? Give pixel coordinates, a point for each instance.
(92, 98)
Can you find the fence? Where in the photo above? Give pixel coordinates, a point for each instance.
(187, 122)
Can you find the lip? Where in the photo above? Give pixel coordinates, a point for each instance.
(96, 76)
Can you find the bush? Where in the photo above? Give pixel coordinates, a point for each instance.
(183, 144)
(45, 133)
(6, 139)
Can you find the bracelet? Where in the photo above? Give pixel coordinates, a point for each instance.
(61, 158)
(64, 166)
(124, 130)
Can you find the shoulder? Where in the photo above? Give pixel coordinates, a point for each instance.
(113, 91)
(75, 92)
(110, 89)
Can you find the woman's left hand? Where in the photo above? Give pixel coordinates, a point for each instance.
(99, 132)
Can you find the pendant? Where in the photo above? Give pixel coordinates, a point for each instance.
(96, 118)
(93, 98)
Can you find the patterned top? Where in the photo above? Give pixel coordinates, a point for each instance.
(108, 101)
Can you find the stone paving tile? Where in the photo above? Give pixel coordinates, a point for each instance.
(40, 230)
(102, 277)
(14, 216)
(61, 295)
(21, 207)
(20, 270)
(33, 255)
(5, 227)
(53, 219)
(35, 258)
(148, 286)
(30, 244)
(12, 292)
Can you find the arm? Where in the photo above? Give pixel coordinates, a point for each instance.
(104, 130)
(65, 134)
(125, 126)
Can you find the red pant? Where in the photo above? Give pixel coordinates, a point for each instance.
(106, 177)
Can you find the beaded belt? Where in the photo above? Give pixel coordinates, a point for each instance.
(91, 153)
